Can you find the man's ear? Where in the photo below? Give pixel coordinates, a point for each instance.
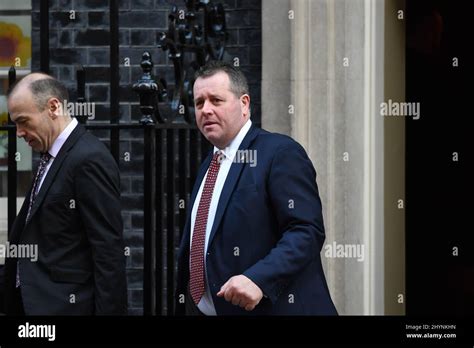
(245, 104)
(55, 108)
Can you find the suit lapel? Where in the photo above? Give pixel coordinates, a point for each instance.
(231, 180)
(55, 166)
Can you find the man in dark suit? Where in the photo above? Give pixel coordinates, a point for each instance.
(72, 213)
(254, 232)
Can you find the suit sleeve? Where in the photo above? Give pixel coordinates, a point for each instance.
(98, 201)
(297, 207)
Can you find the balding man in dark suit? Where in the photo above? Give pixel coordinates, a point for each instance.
(71, 213)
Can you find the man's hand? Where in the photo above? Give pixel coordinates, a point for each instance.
(241, 291)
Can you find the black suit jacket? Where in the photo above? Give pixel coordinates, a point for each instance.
(76, 223)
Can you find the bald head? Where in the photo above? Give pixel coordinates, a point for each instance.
(23, 85)
(41, 87)
(31, 78)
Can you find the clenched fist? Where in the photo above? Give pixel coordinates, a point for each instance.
(241, 291)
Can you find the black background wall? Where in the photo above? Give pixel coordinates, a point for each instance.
(439, 189)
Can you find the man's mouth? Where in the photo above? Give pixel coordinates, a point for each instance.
(208, 124)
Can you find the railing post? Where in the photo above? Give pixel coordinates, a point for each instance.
(81, 95)
(12, 163)
(44, 36)
(148, 90)
(114, 77)
(149, 230)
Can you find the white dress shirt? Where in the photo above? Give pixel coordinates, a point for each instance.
(206, 305)
(57, 144)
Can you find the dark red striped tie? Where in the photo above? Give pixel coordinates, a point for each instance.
(196, 282)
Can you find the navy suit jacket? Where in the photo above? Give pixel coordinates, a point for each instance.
(269, 227)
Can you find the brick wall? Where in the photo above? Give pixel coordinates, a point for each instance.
(85, 41)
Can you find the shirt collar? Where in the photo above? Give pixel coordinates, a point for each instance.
(61, 139)
(230, 151)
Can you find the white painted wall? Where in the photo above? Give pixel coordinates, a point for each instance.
(336, 118)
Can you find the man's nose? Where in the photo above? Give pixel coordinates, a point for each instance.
(207, 107)
(20, 133)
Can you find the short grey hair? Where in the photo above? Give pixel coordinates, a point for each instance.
(238, 82)
(45, 89)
